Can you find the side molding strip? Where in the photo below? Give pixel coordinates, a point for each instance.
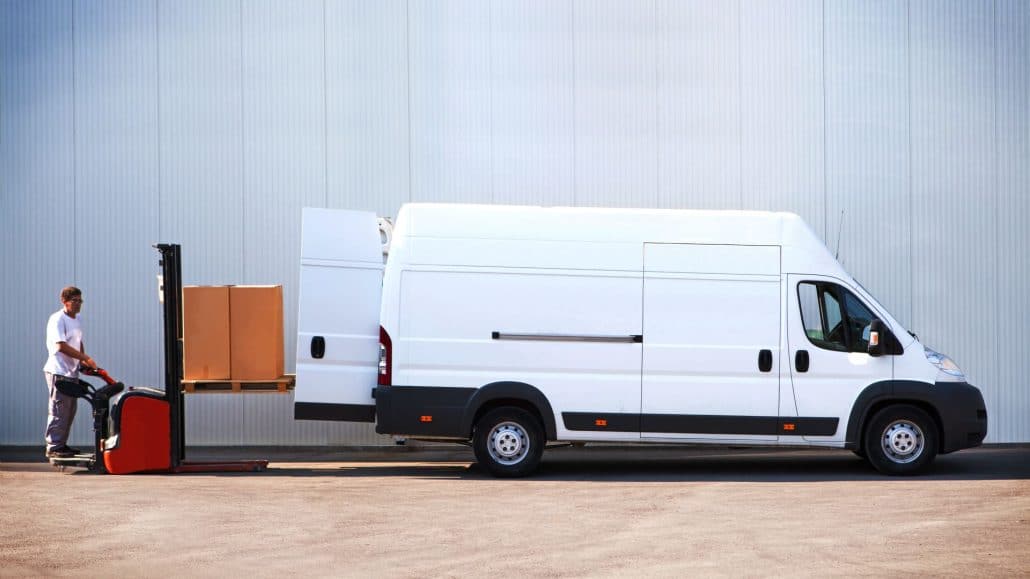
(634, 339)
(700, 424)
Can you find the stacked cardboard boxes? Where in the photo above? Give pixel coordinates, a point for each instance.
(205, 332)
(232, 333)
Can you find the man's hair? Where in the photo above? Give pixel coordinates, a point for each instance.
(70, 292)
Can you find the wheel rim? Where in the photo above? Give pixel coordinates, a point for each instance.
(902, 441)
(508, 443)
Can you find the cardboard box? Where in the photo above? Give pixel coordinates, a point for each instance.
(256, 330)
(205, 332)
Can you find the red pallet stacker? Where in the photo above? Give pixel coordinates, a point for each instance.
(143, 430)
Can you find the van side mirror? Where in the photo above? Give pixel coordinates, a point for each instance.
(882, 341)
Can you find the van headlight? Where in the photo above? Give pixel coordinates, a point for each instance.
(948, 369)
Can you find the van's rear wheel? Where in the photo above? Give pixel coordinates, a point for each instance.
(508, 442)
(901, 440)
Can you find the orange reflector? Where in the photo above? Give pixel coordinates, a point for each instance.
(874, 338)
(788, 426)
(425, 419)
(600, 422)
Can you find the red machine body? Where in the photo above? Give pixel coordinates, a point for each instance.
(140, 433)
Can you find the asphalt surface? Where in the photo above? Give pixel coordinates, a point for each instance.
(638, 511)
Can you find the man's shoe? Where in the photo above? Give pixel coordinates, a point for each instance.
(60, 452)
(73, 450)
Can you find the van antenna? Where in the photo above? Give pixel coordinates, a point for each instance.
(839, 229)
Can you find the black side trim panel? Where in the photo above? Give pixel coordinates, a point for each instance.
(700, 424)
(806, 426)
(703, 424)
(959, 407)
(601, 421)
(443, 412)
(326, 411)
(422, 410)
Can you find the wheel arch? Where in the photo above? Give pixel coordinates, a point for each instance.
(518, 394)
(880, 395)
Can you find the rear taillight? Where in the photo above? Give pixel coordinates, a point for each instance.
(385, 358)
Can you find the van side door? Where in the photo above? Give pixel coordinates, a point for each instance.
(828, 335)
(711, 356)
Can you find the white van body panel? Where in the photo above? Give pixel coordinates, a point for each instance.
(913, 365)
(708, 312)
(609, 324)
(433, 347)
(586, 271)
(341, 271)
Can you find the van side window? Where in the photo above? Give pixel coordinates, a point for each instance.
(859, 320)
(834, 319)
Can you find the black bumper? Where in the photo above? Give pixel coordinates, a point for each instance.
(963, 415)
(433, 412)
(958, 407)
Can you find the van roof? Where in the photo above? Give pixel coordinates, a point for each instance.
(611, 225)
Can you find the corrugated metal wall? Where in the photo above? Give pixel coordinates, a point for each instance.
(126, 122)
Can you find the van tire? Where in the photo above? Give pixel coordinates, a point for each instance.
(901, 440)
(508, 442)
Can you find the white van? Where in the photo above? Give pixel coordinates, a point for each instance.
(515, 327)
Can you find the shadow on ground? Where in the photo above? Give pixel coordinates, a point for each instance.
(601, 464)
(731, 466)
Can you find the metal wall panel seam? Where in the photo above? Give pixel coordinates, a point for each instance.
(572, 26)
(996, 169)
(325, 107)
(493, 81)
(407, 59)
(911, 170)
(657, 108)
(75, 155)
(740, 100)
(243, 155)
(157, 78)
(826, 161)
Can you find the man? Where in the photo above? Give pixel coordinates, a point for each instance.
(66, 354)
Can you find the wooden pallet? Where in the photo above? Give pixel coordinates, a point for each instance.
(280, 385)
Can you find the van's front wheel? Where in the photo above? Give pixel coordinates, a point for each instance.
(901, 440)
(508, 442)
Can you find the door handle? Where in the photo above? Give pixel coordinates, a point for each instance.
(317, 347)
(765, 361)
(801, 361)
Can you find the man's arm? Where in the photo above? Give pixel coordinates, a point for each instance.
(79, 355)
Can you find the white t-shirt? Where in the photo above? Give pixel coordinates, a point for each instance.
(62, 328)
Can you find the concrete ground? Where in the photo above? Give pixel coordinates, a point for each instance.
(589, 512)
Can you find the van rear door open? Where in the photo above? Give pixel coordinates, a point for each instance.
(341, 278)
(711, 341)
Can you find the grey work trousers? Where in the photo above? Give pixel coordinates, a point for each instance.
(60, 414)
